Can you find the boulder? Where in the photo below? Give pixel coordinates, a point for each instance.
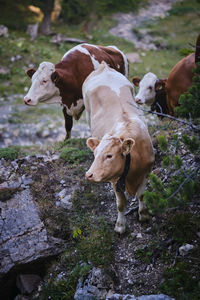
(23, 235)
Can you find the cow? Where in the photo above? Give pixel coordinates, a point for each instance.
(177, 83)
(62, 83)
(123, 152)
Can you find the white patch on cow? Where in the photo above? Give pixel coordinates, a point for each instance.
(104, 142)
(124, 58)
(140, 122)
(75, 110)
(103, 78)
(120, 225)
(118, 128)
(146, 93)
(118, 66)
(43, 89)
(95, 62)
(82, 49)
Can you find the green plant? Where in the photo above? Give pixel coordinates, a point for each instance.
(64, 289)
(189, 102)
(181, 283)
(9, 153)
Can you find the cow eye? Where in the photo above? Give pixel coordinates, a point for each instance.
(44, 81)
(150, 88)
(109, 156)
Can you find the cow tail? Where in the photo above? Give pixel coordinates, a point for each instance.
(197, 51)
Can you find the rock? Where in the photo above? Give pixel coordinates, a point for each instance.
(66, 203)
(3, 31)
(133, 57)
(21, 297)
(183, 250)
(23, 236)
(4, 70)
(145, 297)
(32, 30)
(98, 285)
(27, 283)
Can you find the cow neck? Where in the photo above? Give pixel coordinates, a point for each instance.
(120, 186)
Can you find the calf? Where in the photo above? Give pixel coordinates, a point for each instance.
(120, 140)
(62, 82)
(177, 83)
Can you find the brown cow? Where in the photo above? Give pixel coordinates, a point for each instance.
(62, 82)
(177, 83)
(180, 78)
(121, 143)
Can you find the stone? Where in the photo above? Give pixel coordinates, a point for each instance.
(23, 235)
(183, 250)
(96, 286)
(3, 31)
(144, 297)
(133, 57)
(27, 283)
(66, 203)
(32, 30)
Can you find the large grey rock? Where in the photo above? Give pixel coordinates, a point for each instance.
(23, 235)
(144, 297)
(97, 286)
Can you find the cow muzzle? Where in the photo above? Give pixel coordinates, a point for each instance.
(89, 176)
(28, 101)
(139, 101)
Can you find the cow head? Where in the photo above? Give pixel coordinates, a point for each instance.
(43, 88)
(148, 86)
(110, 156)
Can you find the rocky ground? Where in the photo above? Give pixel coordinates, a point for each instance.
(129, 22)
(47, 207)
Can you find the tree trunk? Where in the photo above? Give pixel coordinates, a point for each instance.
(46, 22)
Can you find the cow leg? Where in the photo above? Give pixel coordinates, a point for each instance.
(120, 225)
(142, 211)
(68, 123)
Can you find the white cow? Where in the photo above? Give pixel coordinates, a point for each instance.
(148, 86)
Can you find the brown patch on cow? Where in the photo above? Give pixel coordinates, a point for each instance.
(30, 72)
(136, 80)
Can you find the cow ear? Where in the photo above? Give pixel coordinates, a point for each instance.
(136, 81)
(127, 146)
(30, 72)
(55, 76)
(160, 83)
(92, 143)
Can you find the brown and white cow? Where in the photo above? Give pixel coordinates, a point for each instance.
(62, 82)
(177, 83)
(120, 140)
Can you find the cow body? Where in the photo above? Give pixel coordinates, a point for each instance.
(179, 80)
(62, 82)
(177, 83)
(118, 130)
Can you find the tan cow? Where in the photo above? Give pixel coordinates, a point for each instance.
(120, 140)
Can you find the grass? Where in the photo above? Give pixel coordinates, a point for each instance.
(10, 153)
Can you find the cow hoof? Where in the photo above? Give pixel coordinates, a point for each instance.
(120, 228)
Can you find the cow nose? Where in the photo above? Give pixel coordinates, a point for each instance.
(89, 175)
(27, 100)
(138, 100)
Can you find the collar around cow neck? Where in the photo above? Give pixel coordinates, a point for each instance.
(120, 186)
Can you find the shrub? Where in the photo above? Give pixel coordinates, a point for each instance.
(189, 102)
(9, 153)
